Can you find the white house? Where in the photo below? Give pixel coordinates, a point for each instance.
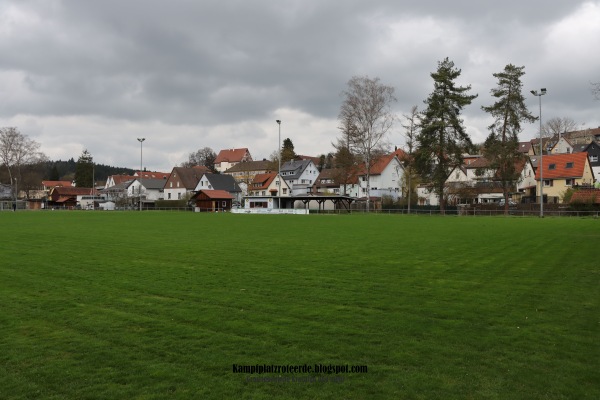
(227, 158)
(220, 182)
(150, 189)
(385, 178)
(300, 175)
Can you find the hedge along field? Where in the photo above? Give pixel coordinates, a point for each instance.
(152, 305)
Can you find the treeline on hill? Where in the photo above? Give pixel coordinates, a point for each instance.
(32, 175)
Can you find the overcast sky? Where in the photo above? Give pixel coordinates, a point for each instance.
(187, 74)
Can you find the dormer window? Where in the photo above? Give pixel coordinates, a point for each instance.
(569, 165)
(552, 166)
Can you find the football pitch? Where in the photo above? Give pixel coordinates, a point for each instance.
(158, 305)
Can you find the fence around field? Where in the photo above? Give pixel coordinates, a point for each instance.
(467, 213)
(520, 211)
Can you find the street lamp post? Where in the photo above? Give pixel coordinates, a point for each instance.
(541, 163)
(141, 140)
(279, 168)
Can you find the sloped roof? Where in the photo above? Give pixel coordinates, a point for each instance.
(295, 167)
(152, 175)
(264, 180)
(524, 147)
(117, 179)
(70, 191)
(51, 184)
(190, 176)
(231, 155)
(57, 183)
(560, 170)
(215, 194)
(247, 166)
(153, 183)
(585, 147)
(586, 196)
(481, 162)
(223, 182)
(383, 162)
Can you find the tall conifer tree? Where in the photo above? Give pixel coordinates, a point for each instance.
(501, 148)
(442, 138)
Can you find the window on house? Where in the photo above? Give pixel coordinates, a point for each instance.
(552, 166)
(594, 158)
(569, 182)
(178, 196)
(169, 196)
(548, 182)
(171, 184)
(284, 190)
(178, 184)
(223, 204)
(569, 165)
(264, 193)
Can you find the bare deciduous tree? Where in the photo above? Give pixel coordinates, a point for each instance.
(17, 150)
(203, 157)
(366, 118)
(411, 129)
(556, 126)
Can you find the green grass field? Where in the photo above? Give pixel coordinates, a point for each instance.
(117, 305)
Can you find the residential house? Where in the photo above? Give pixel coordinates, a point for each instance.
(66, 197)
(244, 172)
(328, 181)
(146, 190)
(220, 182)
(182, 182)
(526, 148)
(47, 185)
(583, 136)
(118, 193)
(593, 151)
(385, 178)
(229, 157)
(114, 180)
(264, 189)
(475, 183)
(562, 146)
(151, 174)
(300, 175)
(212, 200)
(563, 171)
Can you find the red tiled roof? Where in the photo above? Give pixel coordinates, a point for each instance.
(51, 184)
(152, 175)
(586, 196)
(383, 162)
(559, 164)
(264, 180)
(231, 155)
(217, 194)
(121, 178)
(71, 191)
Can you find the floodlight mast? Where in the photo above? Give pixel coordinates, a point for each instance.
(141, 140)
(541, 163)
(279, 168)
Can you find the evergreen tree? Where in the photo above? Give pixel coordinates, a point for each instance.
(287, 151)
(442, 138)
(509, 111)
(84, 170)
(54, 174)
